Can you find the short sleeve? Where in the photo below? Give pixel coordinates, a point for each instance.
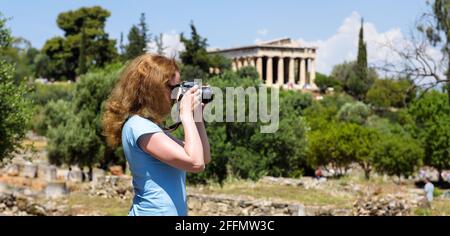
(140, 126)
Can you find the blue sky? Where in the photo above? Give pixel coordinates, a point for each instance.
(225, 23)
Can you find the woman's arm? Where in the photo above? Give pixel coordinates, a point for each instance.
(205, 143)
(190, 157)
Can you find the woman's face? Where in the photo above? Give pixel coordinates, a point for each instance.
(176, 79)
(173, 82)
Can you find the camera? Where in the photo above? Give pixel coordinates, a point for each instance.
(207, 92)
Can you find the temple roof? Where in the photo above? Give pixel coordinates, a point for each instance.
(281, 43)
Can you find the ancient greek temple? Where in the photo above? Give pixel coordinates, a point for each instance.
(280, 63)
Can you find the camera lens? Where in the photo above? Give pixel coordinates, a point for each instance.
(207, 95)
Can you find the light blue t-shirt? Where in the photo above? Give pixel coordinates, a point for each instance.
(159, 189)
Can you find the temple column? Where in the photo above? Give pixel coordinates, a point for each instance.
(252, 61)
(280, 71)
(269, 74)
(234, 65)
(245, 61)
(259, 67)
(239, 63)
(302, 81)
(291, 71)
(312, 76)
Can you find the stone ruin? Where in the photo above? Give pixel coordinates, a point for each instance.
(111, 186)
(219, 205)
(381, 205)
(18, 203)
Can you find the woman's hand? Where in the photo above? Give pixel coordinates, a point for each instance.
(190, 104)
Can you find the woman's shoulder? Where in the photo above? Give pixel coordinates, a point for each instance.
(141, 124)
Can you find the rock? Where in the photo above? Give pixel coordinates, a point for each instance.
(222, 205)
(75, 175)
(13, 169)
(378, 205)
(282, 181)
(14, 204)
(29, 171)
(56, 189)
(112, 187)
(47, 173)
(97, 174)
(3, 187)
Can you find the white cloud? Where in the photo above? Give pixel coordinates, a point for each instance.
(172, 44)
(262, 32)
(343, 45)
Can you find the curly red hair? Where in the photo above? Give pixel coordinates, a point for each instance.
(141, 90)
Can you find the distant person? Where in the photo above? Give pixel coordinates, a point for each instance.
(446, 176)
(318, 173)
(422, 174)
(69, 174)
(429, 189)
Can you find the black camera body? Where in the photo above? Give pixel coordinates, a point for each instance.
(207, 92)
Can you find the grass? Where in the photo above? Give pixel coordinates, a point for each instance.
(439, 207)
(259, 190)
(82, 203)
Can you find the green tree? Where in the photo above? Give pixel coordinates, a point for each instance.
(64, 52)
(138, 39)
(357, 113)
(359, 84)
(195, 53)
(398, 155)
(15, 107)
(160, 44)
(324, 82)
(432, 117)
(82, 69)
(248, 72)
(346, 73)
(78, 140)
(21, 54)
(320, 113)
(341, 144)
(387, 93)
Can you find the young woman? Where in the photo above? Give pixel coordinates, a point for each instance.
(158, 161)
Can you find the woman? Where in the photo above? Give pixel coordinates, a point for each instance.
(157, 160)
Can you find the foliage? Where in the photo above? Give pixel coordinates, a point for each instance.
(432, 116)
(195, 55)
(21, 54)
(340, 144)
(63, 53)
(138, 39)
(359, 85)
(398, 155)
(354, 113)
(347, 74)
(15, 107)
(324, 82)
(387, 93)
(77, 140)
(248, 72)
(44, 93)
